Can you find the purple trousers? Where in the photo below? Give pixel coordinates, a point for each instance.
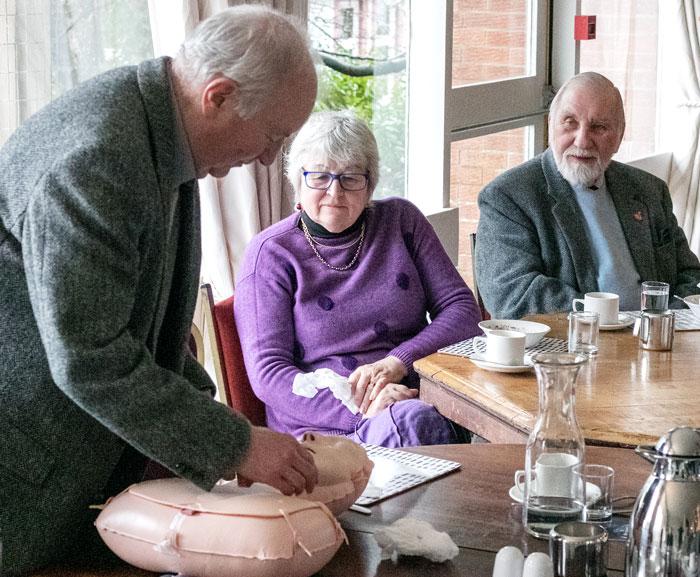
(405, 424)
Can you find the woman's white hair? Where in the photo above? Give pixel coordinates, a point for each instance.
(255, 46)
(337, 136)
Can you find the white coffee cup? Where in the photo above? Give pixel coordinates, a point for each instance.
(554, 475)
(503, 347)
(607, 305)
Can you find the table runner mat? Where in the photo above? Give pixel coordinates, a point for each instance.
(466, 348)
(408, 470)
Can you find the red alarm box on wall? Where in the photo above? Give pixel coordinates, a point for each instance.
(584, 27)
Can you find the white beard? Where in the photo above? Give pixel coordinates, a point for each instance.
(578, 173)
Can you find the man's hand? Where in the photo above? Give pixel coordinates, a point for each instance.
(367, 381)
(390, 394)
(278, 460)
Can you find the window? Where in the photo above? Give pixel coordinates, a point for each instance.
(490, 41)
(25, 84)
(383, 20)
(48, 47)
(91, 36)
(497, 47)
(479, 114)
(366, 72)
(347, 18)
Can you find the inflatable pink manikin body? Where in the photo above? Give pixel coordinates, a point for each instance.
(170, 525)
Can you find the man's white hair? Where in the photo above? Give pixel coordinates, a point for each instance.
(592, 80)
(255, 46)
(338, 136)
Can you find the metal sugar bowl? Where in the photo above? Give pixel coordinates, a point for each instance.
(664, 537)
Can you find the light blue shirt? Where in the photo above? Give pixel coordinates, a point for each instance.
(615, 269)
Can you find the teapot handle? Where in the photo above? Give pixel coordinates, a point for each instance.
(647, 452)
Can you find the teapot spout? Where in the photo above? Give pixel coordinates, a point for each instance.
(647, 452)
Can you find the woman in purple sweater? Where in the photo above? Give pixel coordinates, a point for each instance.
(346, 285)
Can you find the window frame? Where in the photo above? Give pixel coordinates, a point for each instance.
(439, 114)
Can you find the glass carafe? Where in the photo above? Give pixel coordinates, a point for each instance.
(554, 447)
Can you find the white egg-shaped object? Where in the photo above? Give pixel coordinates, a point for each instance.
(538, 565)
(509, 562)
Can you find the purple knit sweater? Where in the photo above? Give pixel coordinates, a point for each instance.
(294, 314)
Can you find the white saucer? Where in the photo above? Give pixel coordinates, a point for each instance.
(592, 493)
(497, 367)
(623, 320)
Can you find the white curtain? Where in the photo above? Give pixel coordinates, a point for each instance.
(25, 62)
(679, 108)
(249, 198)
(48, 47)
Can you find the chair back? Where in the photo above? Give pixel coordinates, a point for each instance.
(475, 289)
(196, 344)
(236, 391)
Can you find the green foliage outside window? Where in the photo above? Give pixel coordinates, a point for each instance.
(385, 114)
(339, 91)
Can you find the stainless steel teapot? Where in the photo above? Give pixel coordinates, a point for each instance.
(664, 537)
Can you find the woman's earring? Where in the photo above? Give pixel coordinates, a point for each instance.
(297, 206)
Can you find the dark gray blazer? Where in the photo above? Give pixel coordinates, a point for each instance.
(532, 254)
(99, 266)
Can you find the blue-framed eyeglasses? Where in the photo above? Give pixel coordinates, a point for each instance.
(350, 181)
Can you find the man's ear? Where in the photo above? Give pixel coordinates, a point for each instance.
(622, 135)
(219, 94)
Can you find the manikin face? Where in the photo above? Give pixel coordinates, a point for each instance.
(587, 131)
(232, 141)
(335, 209)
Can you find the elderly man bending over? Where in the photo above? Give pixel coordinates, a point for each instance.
(99, 266)
(571, 221)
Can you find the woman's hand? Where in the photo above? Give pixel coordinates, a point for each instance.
(390, 394)
(367, 381)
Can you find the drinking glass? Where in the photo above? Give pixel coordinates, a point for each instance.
(655, 295)
(597, 484)
(583, 332)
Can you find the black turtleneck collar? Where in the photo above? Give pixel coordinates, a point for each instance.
(319, 231)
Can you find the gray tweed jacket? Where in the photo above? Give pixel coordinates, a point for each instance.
(532, 254)
(99, 265)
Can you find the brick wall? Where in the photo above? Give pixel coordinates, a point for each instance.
(476, 162)
(489, 38)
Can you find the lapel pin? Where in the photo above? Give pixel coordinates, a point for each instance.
(638, 216)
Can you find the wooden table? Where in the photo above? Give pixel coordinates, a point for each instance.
(624, 397)
(471, 505)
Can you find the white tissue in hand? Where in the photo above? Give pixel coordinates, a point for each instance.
(414, 537)
(308, 384)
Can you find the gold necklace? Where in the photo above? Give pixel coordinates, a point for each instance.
(307, 234)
